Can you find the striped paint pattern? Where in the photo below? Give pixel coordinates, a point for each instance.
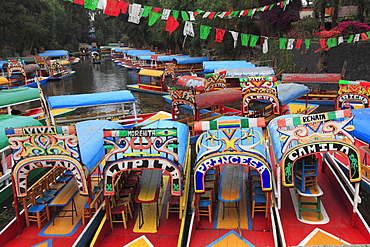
(301, 119)
(229, 124)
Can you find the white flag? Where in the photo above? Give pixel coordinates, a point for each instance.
(235, 37)
(290, 44)
(165, 14)
(188, 29)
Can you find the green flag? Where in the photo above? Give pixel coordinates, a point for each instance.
(282, 43)
(146, 11)
(184, 15)
(350, 38)
(307, 42)
(244, 38)
(254, 39)
(153, 17)
(204, 31)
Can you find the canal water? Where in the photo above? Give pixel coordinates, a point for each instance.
(104, 77)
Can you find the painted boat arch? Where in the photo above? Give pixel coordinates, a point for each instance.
(316, 147)
(353, 92)
(45, 146)
(164, 149)
(232, 158)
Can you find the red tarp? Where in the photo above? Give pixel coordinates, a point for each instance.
(219, 97)
(191, 81)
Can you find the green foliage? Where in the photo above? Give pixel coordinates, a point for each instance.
(54, 24)
(304, 28)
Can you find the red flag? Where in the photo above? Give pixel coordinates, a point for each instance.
(171, 24)
(364, 36)
(81, 2)
(113, 8)
(219, 35)
(211, 15)
(124, 7)
(156, 9)
(298, 44)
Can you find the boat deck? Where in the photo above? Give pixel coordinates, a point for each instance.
(338, 229)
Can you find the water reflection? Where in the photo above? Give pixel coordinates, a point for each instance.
(104, 77)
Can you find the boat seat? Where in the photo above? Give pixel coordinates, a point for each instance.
(259, 204)
(35, 212)
(173, 206)
(205, 209)
(118, 213)
(63, 179)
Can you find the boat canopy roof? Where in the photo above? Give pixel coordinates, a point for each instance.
(246, 72)
(118, 49)
(311, 77)
(139, 52)
(288, 92)
(93, 99)
(219, 97)
(166, 58)
(144, 57)
(3, 80)
(13, 121)
(210, 66)
(64, 62)
(26, 60)
(188, 60)
(361, 123)
(3, 64)
(151, 72)
(60, 53)
(191, 81)
(18, 95)
(31, 67)
(90, 139)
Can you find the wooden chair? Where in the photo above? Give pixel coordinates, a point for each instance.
(93, 207)
(205, 209)
(118, 213)
(259, 204)
(35, 212)
(173, 206)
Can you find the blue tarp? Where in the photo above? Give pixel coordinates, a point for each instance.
(188, 60)
(54, 53)
(246, 71)
(139, 52)
(210, 66)
(361, 123)
(119, 49)
(289, 92)
(144, 57)
(90, 139)
(79, 100)
(169, 58)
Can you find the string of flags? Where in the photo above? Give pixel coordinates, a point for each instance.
(115, 7)
(325, 44)
(172, 17)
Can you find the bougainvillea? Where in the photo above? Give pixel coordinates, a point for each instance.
(328, 34)
(351, 27)
(280, 19)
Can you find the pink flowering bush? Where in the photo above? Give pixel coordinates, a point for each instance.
(328, 34)
(351, 27)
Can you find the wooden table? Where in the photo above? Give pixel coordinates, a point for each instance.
(64, 197)
(148, 191)
(231, 187)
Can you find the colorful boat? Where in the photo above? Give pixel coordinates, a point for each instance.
(315, 204)
(9, 121)
(15, 101)
(233, 184)
(159, 179)
(106, 106)
(153, 81)
(323, 87)
(80, 150)
(22, 75)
